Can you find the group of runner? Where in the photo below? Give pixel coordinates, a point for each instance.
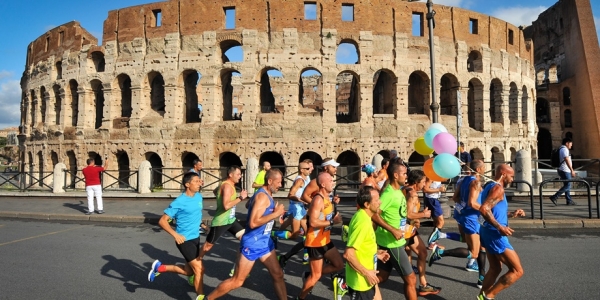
(380, 236)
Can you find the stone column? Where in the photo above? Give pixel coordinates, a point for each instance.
(251, 172)
(174, 106)
(49, 114)
(59, 178)
(523, 169)
(138, 103)
(107, 111)
(144, 177)
(86, 113)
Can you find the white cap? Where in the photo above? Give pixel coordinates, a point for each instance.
(330, 163)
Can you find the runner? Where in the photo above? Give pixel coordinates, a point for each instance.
(187, 209)
(361, 250)
(432, 192)
(382, 174)
(414, 243)
(256, 244)
(391, 221)
(320, 219)
(371, 180)
(259, 181)
(224, 220)
(494, 235)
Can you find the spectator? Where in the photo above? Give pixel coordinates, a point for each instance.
(93, 185)
(465, 157)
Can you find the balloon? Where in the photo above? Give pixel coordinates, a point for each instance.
(444, 142)
(421, 147)
(429, 135)
(430, 173)
(438, 126)
(446, 165)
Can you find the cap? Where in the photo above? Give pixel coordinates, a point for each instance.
(330, 163)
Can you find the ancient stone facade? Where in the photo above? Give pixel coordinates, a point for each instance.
(137, 96)
(567, 64)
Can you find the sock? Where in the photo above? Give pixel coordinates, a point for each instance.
(471, 260)
(281, 234)
(453, 236)
(469, 256)
(457, 252)
(162, 269)
(481, 260)
(443, 235)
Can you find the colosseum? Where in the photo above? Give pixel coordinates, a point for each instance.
(163, 86)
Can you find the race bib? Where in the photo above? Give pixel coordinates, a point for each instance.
(458, 207)
(375, 261)
(232, 212)
(268, 227)
(403, 224)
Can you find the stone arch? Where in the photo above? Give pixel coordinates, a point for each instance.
(524, 104)
(53, 158)
(449, 95)
(349, 169)
(552, 74)
(231, 88)
(384, 153)
(513, 154)
(513, 103)
(96, 157)
(58, 103)
(98, 60)
(191, 84)
(418, 93)
(540, 76)
(475, 62)
(157, 168)
(384, 92)
(74, 105)
(476, 153)
(227, 159)
(566, 92)
(542, 111)
(416, 158)
(568, 118)
(475, 104)
(72, 167)
(187, 160)
(311, 89)
(315, 158)
(58, 67)
(271, 88)
(544, 143)
(231, 51)
(277, 162)
(157, 92)
(124, 86)
(124, 168)
(97, 89)
(347, 52)
(347, 97)
(496, 101)
(497, 158)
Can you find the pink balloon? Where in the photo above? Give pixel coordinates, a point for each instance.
(444, 142)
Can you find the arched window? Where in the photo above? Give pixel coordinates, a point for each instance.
(98, 59)
(513, 103)
(311, 89)
(73, 86)
(496, 101)
(58, 66)
(544, 143)
(231, 88)
(418, 93)
(542, 111)
(98, 102)
(384, 92)
(568, 120)
(57, 104)
(475, 104)
(449, 95)
(191, 83)
(271, 91)
(231, 51)
(43, 99)
(475, 62)
(540, 77)
(157, 92)
(566, 96)
(125, 87)
(347, 53)
(524, 104)
(347, 97)
(552, 74)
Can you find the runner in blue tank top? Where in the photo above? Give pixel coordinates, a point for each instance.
(494, 232)
(256, 242)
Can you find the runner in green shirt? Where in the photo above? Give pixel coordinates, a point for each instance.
(259, 181)
(391, 219)
(361, 250)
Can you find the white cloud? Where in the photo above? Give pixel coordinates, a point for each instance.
(10, 103)
(518, 15)
(456, 3)
(5, 74)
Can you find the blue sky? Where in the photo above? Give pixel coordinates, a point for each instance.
(25, 20)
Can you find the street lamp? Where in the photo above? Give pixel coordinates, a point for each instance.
(435, 107)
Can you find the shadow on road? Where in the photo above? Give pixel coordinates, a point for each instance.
(78, 207)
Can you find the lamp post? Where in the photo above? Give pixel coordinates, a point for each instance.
(435, 107)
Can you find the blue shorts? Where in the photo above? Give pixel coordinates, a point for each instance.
(297, 210)
(434, 206)
(458, 217)
(253, 254)
(493, 241)
(470, 224)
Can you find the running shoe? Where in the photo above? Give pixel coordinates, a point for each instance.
(482, 296)
(305, 257)
(434, 236)
(339, 286)
(474, 267)
(553, 200)
(232, 272)
(428, 290)
(480, 282)
(154, 270)
(191, 280)
(345, 233)
(200, 297)
(435, 255)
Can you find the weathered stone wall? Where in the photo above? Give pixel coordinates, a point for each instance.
(156, 60)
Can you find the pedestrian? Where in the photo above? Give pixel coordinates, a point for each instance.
(321, 219)
(224, 219)
(361, 249)
(415, 182)
(494, 235)
(468, 201)
(565, 171)
(256, 244)
(259, 181)
(187, 209)
(93, 184)
(391, 221)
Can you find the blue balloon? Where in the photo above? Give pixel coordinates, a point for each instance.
(438, 126)
(446, 165)
(429, 135)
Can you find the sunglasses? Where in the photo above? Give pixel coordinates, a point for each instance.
(305, 168)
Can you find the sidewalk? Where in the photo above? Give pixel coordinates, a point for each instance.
(136, 208)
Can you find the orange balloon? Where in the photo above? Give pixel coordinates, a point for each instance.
(430, 173)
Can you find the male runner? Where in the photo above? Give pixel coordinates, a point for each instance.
(187, 209)
(494, 232)
(259, 181)
(256, 244)
(391, 221)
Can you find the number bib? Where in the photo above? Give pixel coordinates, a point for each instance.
(232, 212)
(268, 227)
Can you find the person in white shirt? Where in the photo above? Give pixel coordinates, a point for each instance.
(565, 171)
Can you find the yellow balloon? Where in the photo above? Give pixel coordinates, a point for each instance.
(421, 147)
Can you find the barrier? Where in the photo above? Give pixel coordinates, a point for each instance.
(586, 184)
(530, 194)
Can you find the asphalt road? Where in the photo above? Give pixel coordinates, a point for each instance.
(103, 261)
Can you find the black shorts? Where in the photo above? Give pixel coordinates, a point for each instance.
(217, 231)
(364, 295)
(398, 260)
(319, 252)
(190, 249)
(411, 240)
